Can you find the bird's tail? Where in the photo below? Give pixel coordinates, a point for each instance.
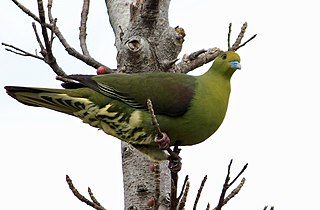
(55, 99)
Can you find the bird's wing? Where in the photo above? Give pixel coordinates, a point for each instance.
(170, 93)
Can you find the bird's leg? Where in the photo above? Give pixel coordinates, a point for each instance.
(164, 144)
(163, 141)
(175, 163)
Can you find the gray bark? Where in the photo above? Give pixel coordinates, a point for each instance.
(145, 42)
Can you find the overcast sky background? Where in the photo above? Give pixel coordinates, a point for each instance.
(272, 121)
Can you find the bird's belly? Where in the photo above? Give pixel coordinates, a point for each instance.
(189, 131)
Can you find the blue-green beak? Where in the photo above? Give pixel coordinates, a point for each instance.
(235, 64)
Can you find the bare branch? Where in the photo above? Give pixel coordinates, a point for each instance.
(94, 204)
(93, 198)
(234, 192)
(183, 186)
(199, 192)
(208, 206)
(153, 118)
(19, 51)
(183, 200)
(83, 27)
(240, 36)
(54, 24)
(27, 11)
(47, 51)
(196, 54)
(229, 35)
(47, 43)
(190, 63)
(37, 36)
(174, 162)
(225, 188)
(49, 6)
(237, 44)
(201, 57)
(174, 159)
(71, 51)
(254, 36)
(239, 174)
(227, 185)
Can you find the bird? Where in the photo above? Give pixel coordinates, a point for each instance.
(189, 109)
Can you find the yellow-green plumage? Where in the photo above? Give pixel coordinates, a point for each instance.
(188, 108)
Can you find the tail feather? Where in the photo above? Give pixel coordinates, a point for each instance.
(55, 99)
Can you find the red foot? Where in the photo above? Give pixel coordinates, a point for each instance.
(163, 142)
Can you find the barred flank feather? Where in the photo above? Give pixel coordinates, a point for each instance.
(125, 126)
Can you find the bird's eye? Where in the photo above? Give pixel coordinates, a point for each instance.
(224, 56)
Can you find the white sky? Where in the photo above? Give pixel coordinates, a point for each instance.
(272, 122)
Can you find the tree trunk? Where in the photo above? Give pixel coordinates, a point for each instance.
(145, 42)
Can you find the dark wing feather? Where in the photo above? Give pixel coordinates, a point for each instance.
(170, 93)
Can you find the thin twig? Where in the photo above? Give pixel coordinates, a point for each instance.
(71, 51)
(47, 52)
(83, 27)
(38, 37)
(158, 130)
(54, 24)
(237, 44)
(49, 6)
(239, 174)
(19, 51)
(173, 158)
(81, 197)
(226, 186)
(28, 12)
(233, 192)
(229, 35)
(93, 198)
(154, 119)
(49, 56)
(254, 36)
(240, 36)
(208, 206)
(199, 192)
(183, 200)
(183, 186)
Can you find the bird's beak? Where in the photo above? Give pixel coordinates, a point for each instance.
(235, 64)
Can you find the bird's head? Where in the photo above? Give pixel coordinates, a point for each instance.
(227, 63)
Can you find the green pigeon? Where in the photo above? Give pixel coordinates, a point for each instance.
(189, 109)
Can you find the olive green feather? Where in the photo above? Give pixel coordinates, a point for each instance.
(188, 108)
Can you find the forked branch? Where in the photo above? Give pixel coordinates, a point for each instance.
(85, 57)
(227, 184)
(93, 203)
(201, 57)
